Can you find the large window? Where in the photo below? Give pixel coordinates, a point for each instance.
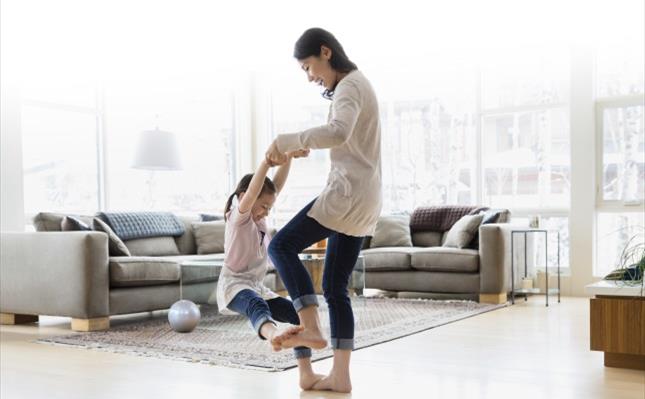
(620, 149)
(78, 157)
(428, 129)
(60, 137)
(200, 114)
(297, 105)
(525, 150)
(525, 130)
(620, 175)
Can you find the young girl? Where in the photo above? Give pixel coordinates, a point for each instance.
(240, 287)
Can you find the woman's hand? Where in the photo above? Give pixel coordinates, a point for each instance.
(299, 153)
(274, 156)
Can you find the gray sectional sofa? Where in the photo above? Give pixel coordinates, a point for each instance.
(425, 266)
(71, 273)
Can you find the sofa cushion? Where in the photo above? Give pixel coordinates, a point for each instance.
(186, 242)
(115, 245)
(181, 258)
(154, 246)
(72, 223)
(392, 231)
(132, 271)
(427, 239)
(444, 259)
(209, 236)
(462, 232)
(387, 258)
(201, 273)
(49, 221)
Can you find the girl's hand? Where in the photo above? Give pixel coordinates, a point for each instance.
(275, 157)
(299, 153)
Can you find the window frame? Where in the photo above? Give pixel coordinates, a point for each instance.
(600, 106)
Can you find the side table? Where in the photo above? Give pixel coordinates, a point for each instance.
(525, 291)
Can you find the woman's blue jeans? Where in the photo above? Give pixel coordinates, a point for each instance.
(340, 259)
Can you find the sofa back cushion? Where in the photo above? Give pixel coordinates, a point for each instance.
(439, 218)
(209, 236)
(186, 242)
(426, 239)
(153, 246)
(50, 221)
(392, 231)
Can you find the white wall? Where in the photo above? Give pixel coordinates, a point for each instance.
(12, 208)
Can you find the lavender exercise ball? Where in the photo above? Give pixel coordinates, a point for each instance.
(184, 316)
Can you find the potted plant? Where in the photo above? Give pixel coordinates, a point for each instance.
(631, 264)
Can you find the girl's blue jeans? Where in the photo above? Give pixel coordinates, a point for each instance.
(249, 303)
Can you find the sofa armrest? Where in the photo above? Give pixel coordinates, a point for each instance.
(494, 258)
(55, 273)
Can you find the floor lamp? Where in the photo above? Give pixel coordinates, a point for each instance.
(156, 150)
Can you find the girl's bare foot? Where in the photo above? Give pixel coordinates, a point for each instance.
(334, 382)
(308, 380)
(277, 337)
(307, 337)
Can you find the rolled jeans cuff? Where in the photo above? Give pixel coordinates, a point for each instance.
(304, 301)
(342, 343)
(302, 352)
(257, 324)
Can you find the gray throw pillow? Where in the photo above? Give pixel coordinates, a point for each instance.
(392, 231)
(71, 223)
(116, 246)
(462, 232)
(209, 236)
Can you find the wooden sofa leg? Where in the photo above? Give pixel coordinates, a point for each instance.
(98, 324)
(492, 298)
(12, 318)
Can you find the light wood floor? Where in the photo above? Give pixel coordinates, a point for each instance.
(525, 351)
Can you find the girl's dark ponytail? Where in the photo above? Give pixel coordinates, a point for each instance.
(229, 203)
(243, 185)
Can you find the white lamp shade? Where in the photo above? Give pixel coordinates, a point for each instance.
(157, 150)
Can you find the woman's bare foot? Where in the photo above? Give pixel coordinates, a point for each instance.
(308, 380)
(307, 337)
(275, 337)
(334, 382)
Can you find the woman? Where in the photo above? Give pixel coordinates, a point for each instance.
(347, 209)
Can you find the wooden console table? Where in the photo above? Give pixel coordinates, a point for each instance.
(617, 320)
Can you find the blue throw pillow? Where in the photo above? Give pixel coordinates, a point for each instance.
(207, 217)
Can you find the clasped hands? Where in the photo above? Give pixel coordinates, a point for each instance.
(274, 157)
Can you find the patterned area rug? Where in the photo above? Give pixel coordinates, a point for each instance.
(229, 340)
